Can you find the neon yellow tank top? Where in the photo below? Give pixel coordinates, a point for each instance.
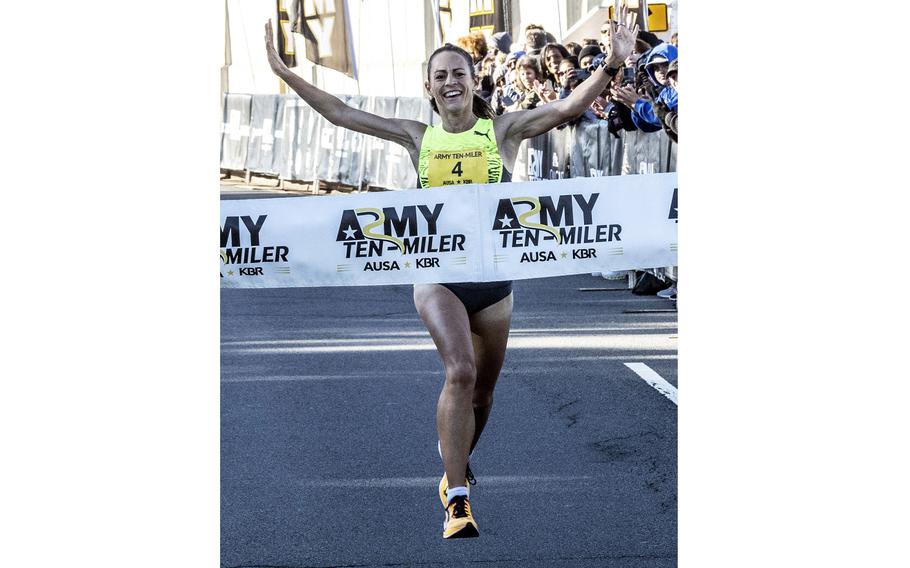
(471, 156)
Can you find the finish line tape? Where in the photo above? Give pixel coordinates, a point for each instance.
(471, 233)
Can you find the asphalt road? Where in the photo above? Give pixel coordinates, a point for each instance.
(328, 442)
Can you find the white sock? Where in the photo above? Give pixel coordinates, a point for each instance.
(453, 492)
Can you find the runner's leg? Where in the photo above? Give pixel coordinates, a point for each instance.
(446, 319)
(490, 334)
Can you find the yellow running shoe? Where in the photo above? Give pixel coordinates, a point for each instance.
(459, 521)
(443, 488)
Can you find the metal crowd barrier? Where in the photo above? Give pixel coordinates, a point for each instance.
(280, 135)
(235, 132)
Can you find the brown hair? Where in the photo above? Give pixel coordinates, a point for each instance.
(479, 107)
(543, 60)
(474, 43)
(531, 63)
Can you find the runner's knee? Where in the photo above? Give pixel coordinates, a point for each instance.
(461, 375)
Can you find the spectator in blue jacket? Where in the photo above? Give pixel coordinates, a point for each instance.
(655, 63)
(669, 118)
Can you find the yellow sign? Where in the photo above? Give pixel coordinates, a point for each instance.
(657, 17)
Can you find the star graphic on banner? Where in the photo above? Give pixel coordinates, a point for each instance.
(349, 232)
(407, 265)
(506, 222)
(564, 254)
(230, 272)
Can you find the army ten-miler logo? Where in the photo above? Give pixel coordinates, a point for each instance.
(408, 230)
(564, 219)
(235, 249)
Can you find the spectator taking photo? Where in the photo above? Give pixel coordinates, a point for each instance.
(655, 65)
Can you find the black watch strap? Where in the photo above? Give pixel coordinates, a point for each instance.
(601, 61)
(611, 71)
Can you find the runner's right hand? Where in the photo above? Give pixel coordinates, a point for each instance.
(275, 62)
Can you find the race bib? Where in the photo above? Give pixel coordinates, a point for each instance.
(456, 168)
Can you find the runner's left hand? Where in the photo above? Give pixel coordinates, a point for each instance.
(623, 31)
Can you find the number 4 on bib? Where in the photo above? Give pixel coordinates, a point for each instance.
(457, 167)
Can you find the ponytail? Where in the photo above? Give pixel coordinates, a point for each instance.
(482, 108)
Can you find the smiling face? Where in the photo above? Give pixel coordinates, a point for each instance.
(553, 58)
(451, 83)
(528, 76)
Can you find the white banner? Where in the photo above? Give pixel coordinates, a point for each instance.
(471, 233)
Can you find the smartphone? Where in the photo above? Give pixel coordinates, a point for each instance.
(628, 75)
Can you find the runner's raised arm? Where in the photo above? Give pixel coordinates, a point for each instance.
(526, 124)
(405, 132)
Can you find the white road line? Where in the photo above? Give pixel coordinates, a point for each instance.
(347, 337)
(504, 480)
(655, 380)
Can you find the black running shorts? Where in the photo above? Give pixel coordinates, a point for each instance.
(479, 295)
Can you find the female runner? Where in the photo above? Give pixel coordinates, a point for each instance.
(469, 322)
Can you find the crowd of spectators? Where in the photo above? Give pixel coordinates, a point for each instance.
(539, 70)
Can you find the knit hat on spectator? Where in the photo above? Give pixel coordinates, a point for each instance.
(502, 41)
(588, 50)
(515, 55)
(673, 68)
